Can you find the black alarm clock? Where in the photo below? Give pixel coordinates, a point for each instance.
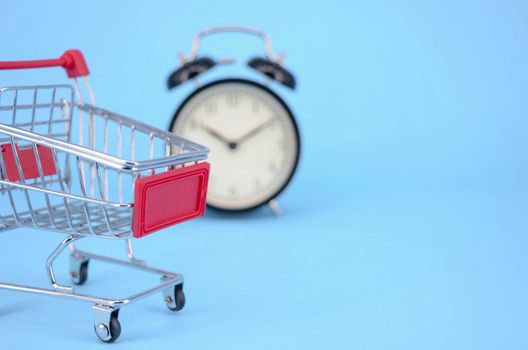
(251, 131)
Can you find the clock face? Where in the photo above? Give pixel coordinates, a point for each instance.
(253, 139)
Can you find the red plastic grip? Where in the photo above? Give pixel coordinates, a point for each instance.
(72, 61)
(166, 199)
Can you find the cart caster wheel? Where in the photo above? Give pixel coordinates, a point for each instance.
(82, 274)
(176, 301)
(108, 333)
(78, 269)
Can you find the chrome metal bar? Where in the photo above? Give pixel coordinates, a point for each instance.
(105, 150)
(10, 195)
(42, 122)
(30, 106)
(66, 195)
(63, 188)
(53, 135)
(42, 178)
(92, 164)
(81, 115)
(132, 143)
(2, 175)
(32, 87)
(15, 98)
(103, 207)
(127, 263)
(83, 190)
(22, 178)
(58, 293)
(133, 153)
(119, 154)
(49, 262)
(33, 110)
(89, 89)
(167, 152)
(177, 279)
(92, 130)
(52, 108)
(130, 253)
(151, 151)
(67, 111)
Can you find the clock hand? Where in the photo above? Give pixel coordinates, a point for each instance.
(255, 130)
(216, 134)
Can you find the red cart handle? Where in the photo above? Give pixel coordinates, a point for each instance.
(72, 61)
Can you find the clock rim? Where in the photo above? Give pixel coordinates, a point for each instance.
(266, 89)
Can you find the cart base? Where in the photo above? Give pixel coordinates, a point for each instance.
(106, 310)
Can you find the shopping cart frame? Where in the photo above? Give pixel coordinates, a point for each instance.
(105, 310)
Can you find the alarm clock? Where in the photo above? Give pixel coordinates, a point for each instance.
(250, 130)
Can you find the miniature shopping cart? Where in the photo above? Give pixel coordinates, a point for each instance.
(81, 170)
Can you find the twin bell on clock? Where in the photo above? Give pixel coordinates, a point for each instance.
(252, 134)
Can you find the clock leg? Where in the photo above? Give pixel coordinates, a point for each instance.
(275, 207)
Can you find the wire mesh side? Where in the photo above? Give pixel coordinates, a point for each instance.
(57, 203)
(80, 194)
(45, 109)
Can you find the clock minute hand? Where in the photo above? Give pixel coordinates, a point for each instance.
(255, 130)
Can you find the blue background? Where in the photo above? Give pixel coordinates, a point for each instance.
(405, 226)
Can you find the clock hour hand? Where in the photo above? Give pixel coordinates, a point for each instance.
(255, 130)
(216, 134)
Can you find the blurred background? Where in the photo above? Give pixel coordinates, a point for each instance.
(405, 225)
